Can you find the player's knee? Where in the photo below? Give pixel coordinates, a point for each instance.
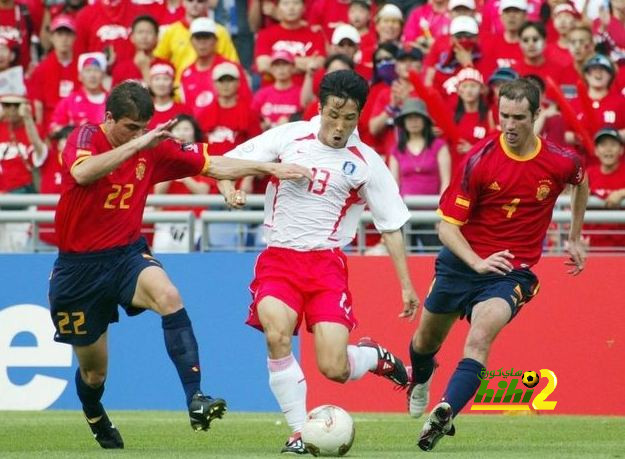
(94, 378)
(425, 342)
(278, 341)
(168, 300)
(334, 370)
(478, 344)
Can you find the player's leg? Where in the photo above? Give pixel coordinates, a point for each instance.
(155, 291)
(89, 378)
(426, 342)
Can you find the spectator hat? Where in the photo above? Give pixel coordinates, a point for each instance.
(92, 59)
(412, 106)
(12, 88)
(518, 4)
(161, 68)
(63, 21)
(345, 32)
(599, 60)
(566, 7)
(608, 132)
(503, 74)
(470, 4)
(282, 55)
(469, 74)
(409, 53)
(463, 24)
(225, 69)
(6, 42)
(203, 26)
(390, 11)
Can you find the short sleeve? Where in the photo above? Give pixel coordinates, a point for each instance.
(577, 170)
(265, 147)
(458, 199)
(381, 193)
(80, 146)
(174, 160)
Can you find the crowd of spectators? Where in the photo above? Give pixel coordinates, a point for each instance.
(233, 68)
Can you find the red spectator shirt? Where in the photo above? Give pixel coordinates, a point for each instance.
(328, 14)
(51, 177)
(127, 70)
(198, 89)
(77, 109)
(16, 155)
(601, 185)
(273, 104)
(162, 114)
(472, 129)
(52, 81)
(108, 212)
(13, 26)
(503, 201)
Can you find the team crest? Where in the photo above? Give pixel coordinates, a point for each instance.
(349, 168)
(542, 192)
(140, 170)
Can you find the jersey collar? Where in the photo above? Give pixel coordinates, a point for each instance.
(510, 154)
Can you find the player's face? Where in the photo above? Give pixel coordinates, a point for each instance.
(517, 123)
(609, 151)
(339, 118)
(123, 130)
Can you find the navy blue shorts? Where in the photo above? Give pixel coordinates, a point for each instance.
(86, 288)
(458, 288)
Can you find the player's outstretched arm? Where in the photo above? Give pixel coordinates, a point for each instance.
(222, 167)
(394, 242)
(451, 236)
(234, 198)
(575, 245)
(98, 166)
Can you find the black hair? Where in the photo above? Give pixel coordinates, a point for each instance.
(402, 133)
(482, 109)
(390, 48)
(521, 89)
(536, 25)
(131, 100)
(338, 57)
(198, 135)
(345, 84)
(538, 81)
(145, 18)
(62, 133)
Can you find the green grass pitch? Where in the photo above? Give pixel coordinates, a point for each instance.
(63, 434)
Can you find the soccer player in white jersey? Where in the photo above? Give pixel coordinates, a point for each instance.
(303, 272)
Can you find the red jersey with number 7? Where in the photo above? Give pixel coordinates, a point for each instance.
(108, 212)
(505, 201)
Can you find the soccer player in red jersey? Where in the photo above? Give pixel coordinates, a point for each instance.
(103, 261)
(495, 214)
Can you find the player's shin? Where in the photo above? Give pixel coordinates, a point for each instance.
(89, 397)
(361, 361)
(422, 365)
(463, 384)
(288, 384)
(183, 351)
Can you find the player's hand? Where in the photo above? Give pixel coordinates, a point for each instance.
(498, 262)
(155, 136)
(411, 304)
(284, 171)
(577, 255)
(236, 199)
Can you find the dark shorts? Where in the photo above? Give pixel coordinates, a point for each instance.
(458, 288)
(86, 288)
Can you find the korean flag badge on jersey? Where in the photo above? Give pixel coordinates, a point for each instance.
(349, 168)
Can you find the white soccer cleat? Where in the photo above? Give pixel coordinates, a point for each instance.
(419, 397)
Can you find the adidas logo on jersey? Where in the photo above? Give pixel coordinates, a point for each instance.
(494, 186)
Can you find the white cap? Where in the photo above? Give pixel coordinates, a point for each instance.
(390, 11)
(345, 31)
(465, 24)
(470, 4)
(203, 25)
(12, 88)
(518, 4)
(225, 69)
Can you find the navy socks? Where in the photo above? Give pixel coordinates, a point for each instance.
(463, 384)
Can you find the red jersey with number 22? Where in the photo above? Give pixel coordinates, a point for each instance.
(108, 212)
(505, 201)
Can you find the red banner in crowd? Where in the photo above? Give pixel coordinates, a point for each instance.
(575, 327)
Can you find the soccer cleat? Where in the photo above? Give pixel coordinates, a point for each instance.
(294, 445)
(419, 397)
(389, 366)
(105, 433)
(438, 424)
(203, 409)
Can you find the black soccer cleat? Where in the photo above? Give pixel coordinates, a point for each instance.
(294, 445)
(389, 366)
(438, 424)
(105, 433)
(203, 409)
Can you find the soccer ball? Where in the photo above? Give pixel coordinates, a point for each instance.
(530, 379)
(329, 431)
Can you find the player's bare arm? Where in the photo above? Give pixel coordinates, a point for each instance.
(575, 245)
(394, 242)
(98, 166)
(222, 167)
(498, 262)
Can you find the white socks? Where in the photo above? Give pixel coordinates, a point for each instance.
(288, 385)
(361, 360)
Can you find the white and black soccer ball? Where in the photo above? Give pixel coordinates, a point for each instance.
(329, 431)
